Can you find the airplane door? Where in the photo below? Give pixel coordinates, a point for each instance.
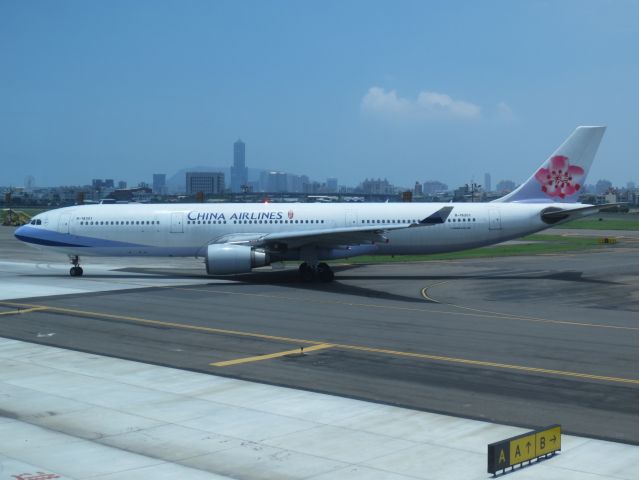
(351, 218)
(494, 219)
(177, 222)
(63, 223)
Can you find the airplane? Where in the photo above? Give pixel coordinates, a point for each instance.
(234, 238)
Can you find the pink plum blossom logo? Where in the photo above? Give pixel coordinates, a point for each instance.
(561, 179)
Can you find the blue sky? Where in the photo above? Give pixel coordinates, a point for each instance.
(404, 90)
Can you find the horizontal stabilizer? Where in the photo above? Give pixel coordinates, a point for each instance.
(552, 215)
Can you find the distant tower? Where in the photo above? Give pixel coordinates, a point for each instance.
(29, 183)
(239, 171)
(487, 183)
(159, 183)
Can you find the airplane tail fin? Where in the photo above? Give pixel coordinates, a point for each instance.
(562, 176)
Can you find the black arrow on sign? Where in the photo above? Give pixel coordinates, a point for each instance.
(553, 439)
(528, 445)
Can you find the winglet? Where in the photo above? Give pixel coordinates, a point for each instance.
(438, 217)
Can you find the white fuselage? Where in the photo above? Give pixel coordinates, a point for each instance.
(187, 229)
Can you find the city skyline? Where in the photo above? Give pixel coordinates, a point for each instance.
(211, 180)
(351, 90)
(274, 181)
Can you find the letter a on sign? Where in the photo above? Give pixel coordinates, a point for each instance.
(498, 456)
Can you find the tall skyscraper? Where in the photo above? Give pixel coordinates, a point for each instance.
(159, 183)
(239, 170)
(487, 183)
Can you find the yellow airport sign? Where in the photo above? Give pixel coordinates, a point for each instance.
(523, 448)
(548, 441)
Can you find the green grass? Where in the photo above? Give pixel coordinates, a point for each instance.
(627, 222)
(32, 211)
(544, 244)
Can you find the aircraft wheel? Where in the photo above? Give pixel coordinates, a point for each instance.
(306, 272)
(325, 273)
(76, 271)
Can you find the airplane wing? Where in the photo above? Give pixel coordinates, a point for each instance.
(332, 236)
(554, 215)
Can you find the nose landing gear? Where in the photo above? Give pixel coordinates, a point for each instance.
(76, 269)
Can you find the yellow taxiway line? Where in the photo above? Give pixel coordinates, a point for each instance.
(259, 358)
(184, 326)
(25, 310)
(461, 310)
(509, 316)
(481, 363)
(311, 343)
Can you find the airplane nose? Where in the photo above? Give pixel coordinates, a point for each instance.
(20, 233)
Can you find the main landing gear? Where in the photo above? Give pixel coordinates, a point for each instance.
(321, 272)
(76, 269)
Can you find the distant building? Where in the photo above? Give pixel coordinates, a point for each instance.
(331, 185)
(206, 182)
(275, 182)
(488, 186)
(138, 194)
(159, 184)
(505, 186)
(239, 170)
(630, 185)
(99, 184)
(376, 187)
(29, 183)
(432, 187)
(418, 191)
(121, 185)
(602, 187)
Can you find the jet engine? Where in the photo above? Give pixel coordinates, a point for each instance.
(226, 259)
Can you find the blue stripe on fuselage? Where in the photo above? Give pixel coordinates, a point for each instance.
(50, 238)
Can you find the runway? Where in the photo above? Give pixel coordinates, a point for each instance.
(525, 341)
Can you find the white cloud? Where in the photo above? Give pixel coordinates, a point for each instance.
(427, 105)
(377, 100)
(440, 102)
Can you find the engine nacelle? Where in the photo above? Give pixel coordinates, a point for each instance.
(226, 259)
